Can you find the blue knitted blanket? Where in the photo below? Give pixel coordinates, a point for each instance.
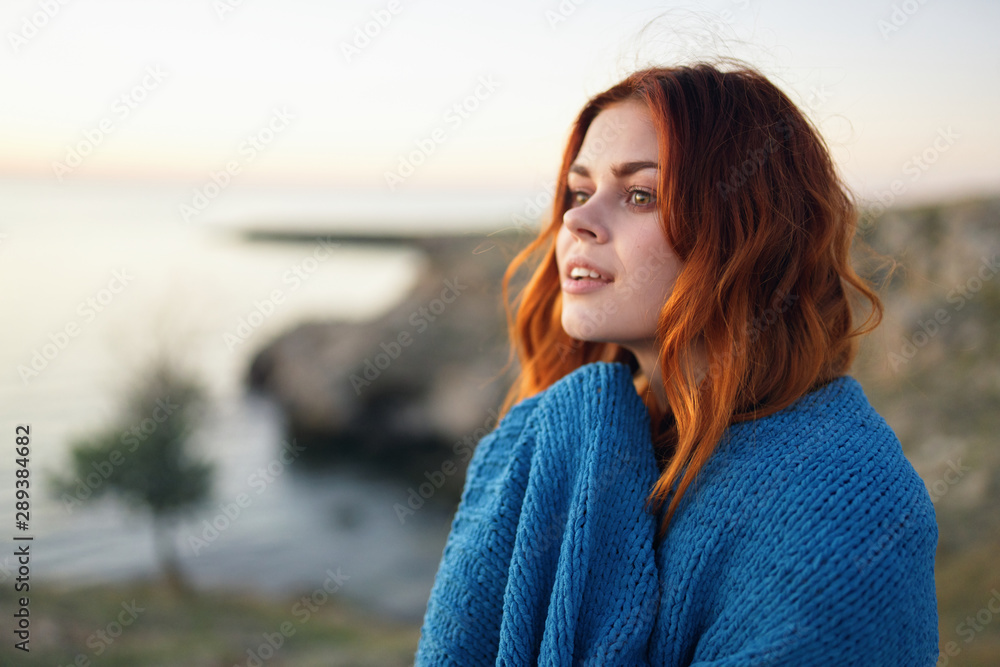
(808, 540)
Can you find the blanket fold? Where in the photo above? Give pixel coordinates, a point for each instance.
(550, 555)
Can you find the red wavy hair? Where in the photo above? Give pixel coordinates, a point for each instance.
(751, 203)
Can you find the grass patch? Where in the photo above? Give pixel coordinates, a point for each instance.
(148, 624)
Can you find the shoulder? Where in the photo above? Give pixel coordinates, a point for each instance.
(590, 379)
(829, 455)
(812, 519)
(834, 419)
(832, 433)
(594, 390)
(821, 486)
(596, 403)
(594, 399)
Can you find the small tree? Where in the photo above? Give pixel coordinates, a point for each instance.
(144, 458)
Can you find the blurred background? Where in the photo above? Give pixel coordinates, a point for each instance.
(250, 255)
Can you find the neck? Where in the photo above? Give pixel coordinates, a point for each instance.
(651, 371)
(649, 363)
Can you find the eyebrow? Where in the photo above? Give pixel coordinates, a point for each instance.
(619, 170)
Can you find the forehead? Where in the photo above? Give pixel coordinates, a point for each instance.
(622, 131)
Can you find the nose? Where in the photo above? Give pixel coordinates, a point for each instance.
(585, 222)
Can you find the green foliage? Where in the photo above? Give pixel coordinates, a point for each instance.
(144, 458)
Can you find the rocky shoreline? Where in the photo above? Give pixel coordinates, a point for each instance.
(413, 389)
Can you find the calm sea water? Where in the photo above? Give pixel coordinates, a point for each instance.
(94, 278)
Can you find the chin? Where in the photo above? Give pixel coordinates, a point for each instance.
(581, 329)
(572, 328)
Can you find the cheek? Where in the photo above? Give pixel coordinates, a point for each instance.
(562, 235)
(654, 271)
(562, 238)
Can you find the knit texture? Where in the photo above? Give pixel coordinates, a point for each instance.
(808, 539)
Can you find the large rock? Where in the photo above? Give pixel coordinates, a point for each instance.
(412, 389)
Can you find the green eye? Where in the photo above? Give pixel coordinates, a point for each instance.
(640, 198)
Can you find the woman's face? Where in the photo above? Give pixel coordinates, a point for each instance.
(616, 269)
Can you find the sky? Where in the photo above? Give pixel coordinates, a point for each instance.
(404, 97)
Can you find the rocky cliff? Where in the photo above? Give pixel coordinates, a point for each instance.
(414, 388)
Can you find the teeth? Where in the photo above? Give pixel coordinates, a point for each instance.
(580, 272)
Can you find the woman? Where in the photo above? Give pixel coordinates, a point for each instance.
(684, 473)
